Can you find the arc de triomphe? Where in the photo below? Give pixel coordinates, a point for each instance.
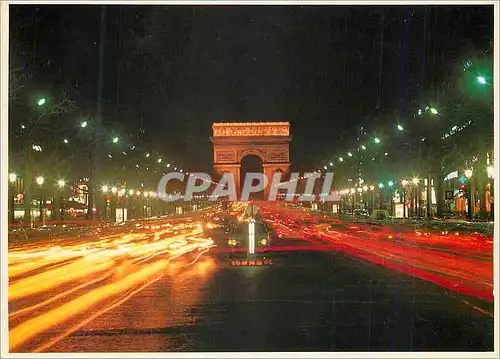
(270, 141)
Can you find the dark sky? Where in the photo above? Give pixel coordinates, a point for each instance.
(175, 70)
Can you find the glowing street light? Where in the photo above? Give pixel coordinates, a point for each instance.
(365, 188)
(168, 165)
(12, 177)
(381, 185)
(434, 111)
(481, 80)
(404, 182)
(325, 167)
(372, 187)
(159, 160)
(415, 180)
(147, 155)
(114, 190)
(40, 180)
(363, 147)
(331, 164)
(104, 188)
(376, 140)
(41, 102)
(491, 171)
(468, 173)
(115, 140)
(401, 128)
(349, 154)
(61, 183)
(131, 192)
(83, 124)
(390, 183)
(66, 141)
(341, 159)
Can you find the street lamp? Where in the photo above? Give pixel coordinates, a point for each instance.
(372, 187)
(83, 124)
(61, 183)
(381, 185)
(341, 159)
(104, 188)
(468, 175)
(416, 181)
(481, 80)
(349, 154)
(40, 180)
(115, 139)
(12, 177)
(41, 102)
(491, 171)
(404, 183)
(114, 190)
(400, 128)
(131, 192)
(434, 111)
(376, 140)
(390, 183)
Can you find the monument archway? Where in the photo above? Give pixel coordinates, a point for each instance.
(270, 141)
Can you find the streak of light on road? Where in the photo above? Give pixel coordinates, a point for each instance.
(459, 262)
(59, 284)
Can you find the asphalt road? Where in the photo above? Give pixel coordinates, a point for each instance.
(304, 301)
(190, 298)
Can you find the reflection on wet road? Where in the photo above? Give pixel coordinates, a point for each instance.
(167, 285)
(58, 286)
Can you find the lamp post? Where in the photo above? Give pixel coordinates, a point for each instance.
(40, 180)
(353, 197)
(404, 183)
(12, 187)
(416, 181)
(468, 175)
(372, 189)
(390, 184)
(60, 185)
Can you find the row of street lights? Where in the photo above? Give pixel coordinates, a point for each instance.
(480, 79)
(39, 180)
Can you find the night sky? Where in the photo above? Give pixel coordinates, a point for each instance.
(174, 70)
